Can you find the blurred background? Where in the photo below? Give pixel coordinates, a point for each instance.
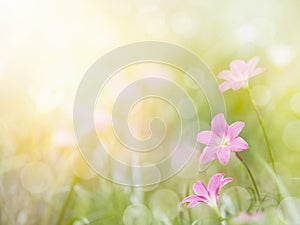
(47, 46)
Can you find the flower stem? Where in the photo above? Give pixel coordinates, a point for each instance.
(261, 123)
(216, 210)
(250, 174)
(67, 201)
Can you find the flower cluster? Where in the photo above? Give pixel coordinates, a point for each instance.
(222, 140)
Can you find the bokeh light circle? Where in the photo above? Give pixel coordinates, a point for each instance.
(80, 167)
(137, 214)
(261, 95)
(36, 177)
(174, 94)
(191, 168)
(291, 135)
(289, 210)
(235, 200)
(164, 204)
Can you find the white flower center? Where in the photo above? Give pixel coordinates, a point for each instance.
(241, 77)
(225, 141)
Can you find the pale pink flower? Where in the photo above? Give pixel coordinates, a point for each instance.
(244, 217)
(239, 74)
(208, 195)
(221, 140)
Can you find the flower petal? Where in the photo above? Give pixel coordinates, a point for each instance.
(208, 138)
(219, 125)
(193, 204)
(204, 137)
(225, 75)
(244, 217)
(238, 84)
(222, 183)
(190, 198)
(223, 155)
(208, 154)
(238, 66)
(234, 129)
(194, 200)
(238, 144)
(224, 86)
(256, 72)
(216, 183)
(252, 63)
(200, 189)
(225, 181)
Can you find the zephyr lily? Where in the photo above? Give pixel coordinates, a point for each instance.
(208, 195)
(239, 74)
(244, 217)
(221, 140)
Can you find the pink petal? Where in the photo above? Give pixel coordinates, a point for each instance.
(224, 86)
(244, 217)
(234, 129)
(208, 138)
(237, 66)
(190, 198)
(256, 72)
(219, 125)
(252, 63)
(192, 204)
(200, 189)
(214, 183)
(222, 183)
(225, 181)
(208, 154)
(223, 155)
(238, 84)
(225, 75)
(194, 200)
(238, 144)
(204, 137)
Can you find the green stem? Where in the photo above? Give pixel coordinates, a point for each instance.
(216, 210)
(250, 174)
(261, 123)
(67, 201)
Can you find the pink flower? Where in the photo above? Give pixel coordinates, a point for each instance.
(244, 217)
(221, 140)
(239, 74)
(209, 195)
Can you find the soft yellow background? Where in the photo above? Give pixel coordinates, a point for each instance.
(47, 46)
